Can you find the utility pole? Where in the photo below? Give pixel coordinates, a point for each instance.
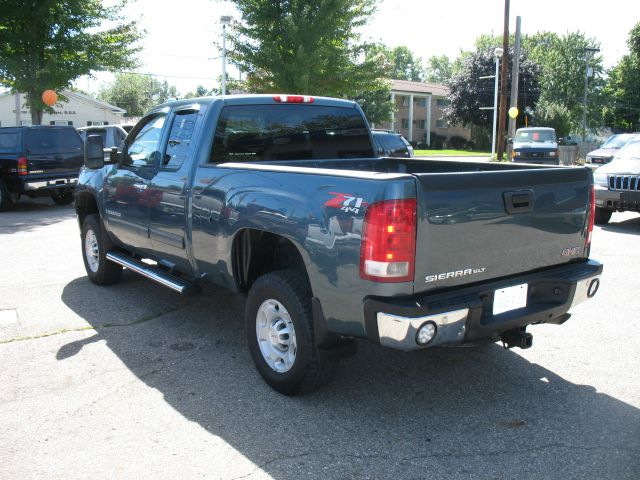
(502, 114)
(224, 20)
(588, 51)
(515, 74)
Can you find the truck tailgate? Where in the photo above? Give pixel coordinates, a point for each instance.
(475, 226)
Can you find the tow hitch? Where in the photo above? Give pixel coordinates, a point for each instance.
(517, 338)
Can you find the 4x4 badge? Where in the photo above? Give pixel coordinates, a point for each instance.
(346, 202)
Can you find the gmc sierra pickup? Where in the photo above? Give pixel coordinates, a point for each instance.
(281, 198)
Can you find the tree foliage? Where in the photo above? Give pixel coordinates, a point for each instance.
(404, 65)
(305, 47)
(440, 69)
(623, 88)
(49, 43)
(554, 115)
(468, 92)
(137, 93)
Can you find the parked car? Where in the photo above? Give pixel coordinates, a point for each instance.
(38, 161)
(604, 154)
(389, 144)
(282, 198)
(618, 183)
(535, 145)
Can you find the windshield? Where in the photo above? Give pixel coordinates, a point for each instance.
(617, 141)
(535, 136)
(631, 151)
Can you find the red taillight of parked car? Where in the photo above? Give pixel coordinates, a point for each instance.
(592, 215)
(389, 241)
(23, 167)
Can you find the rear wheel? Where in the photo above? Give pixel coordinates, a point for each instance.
(94, 250)
(62, 197)
(6, 201)
(279, 327)
(602, 216)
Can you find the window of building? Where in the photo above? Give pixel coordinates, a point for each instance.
(442, 124)
(422, 102)
(404, 123)
(419, 124)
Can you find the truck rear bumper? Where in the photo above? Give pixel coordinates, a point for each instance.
(466, 314)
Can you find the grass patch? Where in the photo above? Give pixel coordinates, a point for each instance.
(450, 153)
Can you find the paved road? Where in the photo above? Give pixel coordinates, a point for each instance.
(133, 381)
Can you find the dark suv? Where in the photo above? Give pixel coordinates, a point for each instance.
(39, 161)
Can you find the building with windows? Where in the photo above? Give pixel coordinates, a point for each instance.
(78, 110)
(419, 112)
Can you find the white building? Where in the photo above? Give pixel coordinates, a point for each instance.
(78, 110)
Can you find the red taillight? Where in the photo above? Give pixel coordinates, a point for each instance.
(23, 167)
(388, 246)
(592, 215)
(293, 98)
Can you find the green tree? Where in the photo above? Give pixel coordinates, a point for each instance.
(46, 44)
(405, 66)
(623, 88)
(304, 47)
(137, 93)
(563, 63)
(440, 69)
(468, 92)
(199, 92)
(376, 102)
(553, 115)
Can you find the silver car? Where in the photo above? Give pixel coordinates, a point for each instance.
(617, 184)
(608, 150)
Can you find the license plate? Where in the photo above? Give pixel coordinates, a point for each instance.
(510, 298)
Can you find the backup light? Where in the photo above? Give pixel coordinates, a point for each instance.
(426, 333)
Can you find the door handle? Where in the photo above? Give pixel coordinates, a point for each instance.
(520, 201)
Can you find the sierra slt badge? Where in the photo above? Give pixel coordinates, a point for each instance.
(454, 274)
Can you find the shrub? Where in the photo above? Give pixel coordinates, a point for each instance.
(437, 141)
(457, 142)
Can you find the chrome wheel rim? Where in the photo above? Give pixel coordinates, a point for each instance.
(91, 251)
(276, 336)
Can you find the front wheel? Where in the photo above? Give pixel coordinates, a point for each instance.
(62, 197)
(602, 216)
(94, 253)
(279, 327)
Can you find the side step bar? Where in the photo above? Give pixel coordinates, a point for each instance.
(174, 283)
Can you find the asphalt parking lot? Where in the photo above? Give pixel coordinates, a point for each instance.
(133, 381)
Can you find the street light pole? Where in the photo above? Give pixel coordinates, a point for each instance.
(497, 53)
(587, 52)
(224, 20)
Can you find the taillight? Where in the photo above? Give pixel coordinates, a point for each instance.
(592, 215)
(388, 246)
(293, 98)
(23, 168)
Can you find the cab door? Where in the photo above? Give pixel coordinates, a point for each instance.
(169, 186)
(127, 197)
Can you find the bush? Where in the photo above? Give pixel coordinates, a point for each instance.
(437, 141)
(457, 142)
(554, 115)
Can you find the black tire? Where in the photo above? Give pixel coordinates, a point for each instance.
(6, 201)
(602, 216)
(62, 197)
(310, 370)
(104, 272)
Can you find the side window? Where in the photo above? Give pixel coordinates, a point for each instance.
(145, 147)
(179, 140)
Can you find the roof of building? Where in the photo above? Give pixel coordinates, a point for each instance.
(406, 86)
(83, 98)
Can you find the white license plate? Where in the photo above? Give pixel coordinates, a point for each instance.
(510, 298)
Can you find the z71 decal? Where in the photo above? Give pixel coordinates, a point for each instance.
(346, 202)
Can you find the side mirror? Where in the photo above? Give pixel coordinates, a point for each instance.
(93, 152)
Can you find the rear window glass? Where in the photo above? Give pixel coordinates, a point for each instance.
(256, 133)
(44, 140)
(9, 141)
(391, 142)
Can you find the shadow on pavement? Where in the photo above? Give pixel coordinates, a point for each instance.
(464, 413)
(30, 214)
(631, 226)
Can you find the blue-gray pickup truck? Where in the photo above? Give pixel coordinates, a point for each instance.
(281, 198)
